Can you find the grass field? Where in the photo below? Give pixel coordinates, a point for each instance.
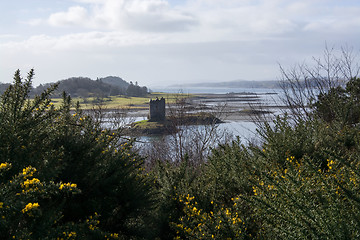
(118, 102)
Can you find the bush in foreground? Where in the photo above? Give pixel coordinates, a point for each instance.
(302, 183)
(63, 176)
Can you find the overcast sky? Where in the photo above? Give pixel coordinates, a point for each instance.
(164, 42)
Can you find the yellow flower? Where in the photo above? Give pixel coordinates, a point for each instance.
(69, 186)
(254, 190)
(114, 235)
(227, 212)
(30, 206)
(28, 172)
(5, 165)
(29, 184)
(330, 163)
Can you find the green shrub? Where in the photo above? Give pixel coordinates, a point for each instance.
(340, 104)
(172, 180)
(67, 146)
(303, 182)
(306, 181)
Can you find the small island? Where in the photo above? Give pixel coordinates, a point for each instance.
(158, 123)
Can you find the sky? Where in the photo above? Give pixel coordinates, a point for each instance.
(163, 42)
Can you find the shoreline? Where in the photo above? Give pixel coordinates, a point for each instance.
(227, 107)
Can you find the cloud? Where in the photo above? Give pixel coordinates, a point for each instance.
(85, 42)
(34, 22)
(342, 21)
(244, 19)
(139, 22)
(155, 15)
(76, 15)
(206, 20)
(226, 39)
(119, 23)
(138, 15)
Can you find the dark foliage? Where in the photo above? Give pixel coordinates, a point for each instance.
(341, 104)
(85, 87)
(67, 150)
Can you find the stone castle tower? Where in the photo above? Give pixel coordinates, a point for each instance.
(157, 110)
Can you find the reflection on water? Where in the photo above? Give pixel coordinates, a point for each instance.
(246, 130)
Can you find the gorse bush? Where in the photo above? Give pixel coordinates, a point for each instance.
(301, 183)
(304, 201)
(63, 176)
(30, 208)
(311, 189)
(312, 196)
(215, 222)
(172, 179)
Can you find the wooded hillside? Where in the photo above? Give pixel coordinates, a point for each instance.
(86, 87)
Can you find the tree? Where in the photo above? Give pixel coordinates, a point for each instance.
(136, 91)
(303, 83)
(340, 104)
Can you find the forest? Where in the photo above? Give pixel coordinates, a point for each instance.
(64, 176)
(86, 88)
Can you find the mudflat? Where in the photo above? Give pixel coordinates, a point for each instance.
(227, 107)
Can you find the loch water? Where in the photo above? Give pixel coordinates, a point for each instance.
(243, 127)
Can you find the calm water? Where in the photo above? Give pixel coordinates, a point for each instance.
(215, 90)
(245, 129)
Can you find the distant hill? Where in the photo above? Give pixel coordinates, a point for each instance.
(81, 87)
(102, 87)
(115, 81)
(235, 84)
